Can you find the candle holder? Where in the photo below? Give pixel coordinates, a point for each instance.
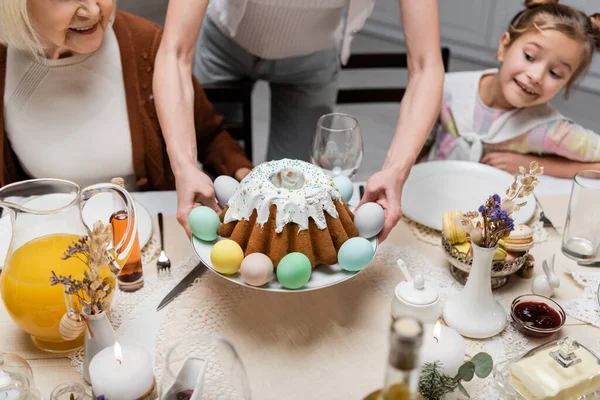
(70, 391)
(151, 394)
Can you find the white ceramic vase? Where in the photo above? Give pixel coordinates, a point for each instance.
(474, 312)
(104, 336)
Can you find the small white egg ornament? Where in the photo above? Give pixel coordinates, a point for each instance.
(369, 220)
(256, 269)
(344, 185)
(225, 187)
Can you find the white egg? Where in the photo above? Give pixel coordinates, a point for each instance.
(225, 187)
(256, 269)
(369, 220)
(344, 185)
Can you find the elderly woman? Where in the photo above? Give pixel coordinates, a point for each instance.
(77, 104)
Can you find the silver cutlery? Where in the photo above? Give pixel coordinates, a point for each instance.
(545, 220)
(183, 284)
(163, 261)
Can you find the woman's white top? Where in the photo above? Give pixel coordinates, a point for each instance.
(68, 118)
(275, 29)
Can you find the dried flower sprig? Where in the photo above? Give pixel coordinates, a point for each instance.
(92, 291)
(493, 220)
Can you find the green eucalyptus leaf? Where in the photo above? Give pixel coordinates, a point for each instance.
(466, 371)
(483, 364)
(463, 390)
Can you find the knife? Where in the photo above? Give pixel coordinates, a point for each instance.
(197, 271)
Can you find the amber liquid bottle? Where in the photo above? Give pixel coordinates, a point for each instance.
(131, 277)
(403, 369)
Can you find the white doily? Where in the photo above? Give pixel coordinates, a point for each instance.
(213, 302)
(585, 308)
(431, 236)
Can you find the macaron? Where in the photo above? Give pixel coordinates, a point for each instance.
(520, 239)
(453, 232)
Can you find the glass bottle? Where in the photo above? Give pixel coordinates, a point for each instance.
(131, 277)
(403, 369)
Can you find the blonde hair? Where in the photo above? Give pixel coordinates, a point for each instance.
(548, 14)
(16, 29)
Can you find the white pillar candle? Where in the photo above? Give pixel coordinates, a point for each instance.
(444, 344)
(122, 372)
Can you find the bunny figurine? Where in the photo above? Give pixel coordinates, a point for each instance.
(544, 284)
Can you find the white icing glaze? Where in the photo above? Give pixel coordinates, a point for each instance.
(260, 189)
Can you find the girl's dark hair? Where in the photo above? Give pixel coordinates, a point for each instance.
(548, 14)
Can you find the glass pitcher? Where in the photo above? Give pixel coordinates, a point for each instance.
(47, 215)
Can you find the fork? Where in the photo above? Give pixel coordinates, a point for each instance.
(547, 223)
(163, 261)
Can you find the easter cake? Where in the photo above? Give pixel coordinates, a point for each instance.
(288, 206)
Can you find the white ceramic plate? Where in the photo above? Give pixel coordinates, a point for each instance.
(97, 208)
(435, 187)
(322, 276)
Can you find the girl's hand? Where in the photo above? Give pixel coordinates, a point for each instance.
(385, 189)
(507, 161)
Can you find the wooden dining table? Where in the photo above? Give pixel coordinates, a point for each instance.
(52, 369)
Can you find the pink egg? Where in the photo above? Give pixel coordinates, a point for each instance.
(256, 269)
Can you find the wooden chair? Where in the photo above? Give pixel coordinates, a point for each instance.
(233, 100)
(380, 61)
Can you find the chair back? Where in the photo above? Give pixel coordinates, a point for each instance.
(378, 61)
(233, 100)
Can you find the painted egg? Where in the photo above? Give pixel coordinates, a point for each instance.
(294, 270)
(369, 220)
(204, 222)
(256, 269)
(225, 186)
(226, 257)
(70, 327)
(355, 254)
(344, 185)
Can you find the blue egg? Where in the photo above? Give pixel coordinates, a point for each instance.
(355, 254)
(204, 223)
(344, 185)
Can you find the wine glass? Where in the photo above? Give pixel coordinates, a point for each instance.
(337, 145)
(203, 367)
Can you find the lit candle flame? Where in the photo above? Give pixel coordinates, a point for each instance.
(437, 331)
(118, 352)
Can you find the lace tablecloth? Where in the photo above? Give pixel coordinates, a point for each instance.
(586, 307)
(309, 336)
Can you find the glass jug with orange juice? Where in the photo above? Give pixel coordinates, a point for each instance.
(47, 215)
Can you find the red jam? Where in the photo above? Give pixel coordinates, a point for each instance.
(538, 315)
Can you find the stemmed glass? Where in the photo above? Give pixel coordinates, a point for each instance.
(337, 145)
(203, 367)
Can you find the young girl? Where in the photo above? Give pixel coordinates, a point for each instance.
(76, 99)
(502, 117)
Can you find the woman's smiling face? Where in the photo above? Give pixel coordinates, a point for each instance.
(69, 27)
(536, 66)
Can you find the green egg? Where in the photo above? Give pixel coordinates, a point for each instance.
(294, 270)
(204, 222)
(355, 254)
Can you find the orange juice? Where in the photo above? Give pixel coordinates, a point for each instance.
(33, 304)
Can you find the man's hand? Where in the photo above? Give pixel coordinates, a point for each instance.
(194, 188)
